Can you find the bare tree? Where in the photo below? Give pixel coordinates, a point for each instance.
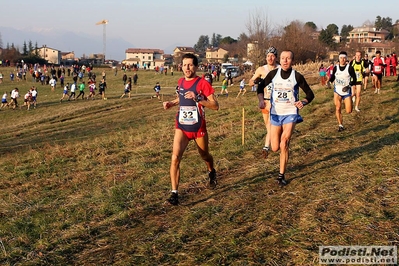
(300, 39)
(259, 35)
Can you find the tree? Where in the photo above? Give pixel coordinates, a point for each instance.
(259, 36)
(332, 28)
(202, 44)
(216, 40)
(24, 49)
(311, 25)
(36, 50)
(227, 40)
(384, 24)
(327, 35)
(30, 47)
(11, 53)
(345, 32)
(298, 38)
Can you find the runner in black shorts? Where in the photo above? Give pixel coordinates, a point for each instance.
(367, 70)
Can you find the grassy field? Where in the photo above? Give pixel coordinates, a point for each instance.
(84, 182)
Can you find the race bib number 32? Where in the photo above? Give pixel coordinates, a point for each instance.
(188, 115)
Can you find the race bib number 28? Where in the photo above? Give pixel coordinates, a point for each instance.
(188, 115)
(285, 96)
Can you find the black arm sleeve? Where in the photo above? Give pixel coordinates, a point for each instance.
(304, 86)
(353, 75)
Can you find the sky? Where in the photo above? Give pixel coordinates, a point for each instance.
(163, 24)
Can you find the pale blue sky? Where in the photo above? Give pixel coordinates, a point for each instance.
(160, 24)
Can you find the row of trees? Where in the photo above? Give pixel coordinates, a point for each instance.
(29, 53)
(303, 39)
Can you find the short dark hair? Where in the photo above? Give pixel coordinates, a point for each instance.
(192, 56)
(290, 51)
(378, 52)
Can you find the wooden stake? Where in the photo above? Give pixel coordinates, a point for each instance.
(243, 127)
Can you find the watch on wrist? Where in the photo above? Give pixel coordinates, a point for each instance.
(198, 98)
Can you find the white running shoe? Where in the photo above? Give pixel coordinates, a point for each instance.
(357, 109)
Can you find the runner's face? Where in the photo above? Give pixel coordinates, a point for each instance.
(342, 60)
(358, 56)
(188, 68)
(285, 60)
(271, 59)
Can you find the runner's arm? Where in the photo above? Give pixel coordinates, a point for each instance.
(332, 77)
(258, 74)
(167, 105)
(305, 87)
(210, 102)
(353, 75)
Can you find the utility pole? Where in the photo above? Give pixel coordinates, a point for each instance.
(103, 22)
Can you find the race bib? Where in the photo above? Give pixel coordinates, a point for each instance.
(284, 96)
(268, 91)
(377, 69)
(188, 115)
(340, 82)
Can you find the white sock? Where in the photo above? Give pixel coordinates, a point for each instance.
(174, 191)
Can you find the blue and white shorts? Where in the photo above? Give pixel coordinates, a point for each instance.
(279, 120)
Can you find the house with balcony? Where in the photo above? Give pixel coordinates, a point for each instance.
(150, 58)
(370, 40)
(367, 34)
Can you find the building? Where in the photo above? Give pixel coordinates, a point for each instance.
(179, 51)
(168, 59)
(67, 55)
(385, 48)
(68, 58)
(369, 40)
(215, 55)
(367, 34)
(52, 56)
(150, 58)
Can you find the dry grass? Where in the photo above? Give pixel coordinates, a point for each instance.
(83, 183)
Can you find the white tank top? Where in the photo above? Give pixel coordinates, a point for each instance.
(284, 94)
(342, 79)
